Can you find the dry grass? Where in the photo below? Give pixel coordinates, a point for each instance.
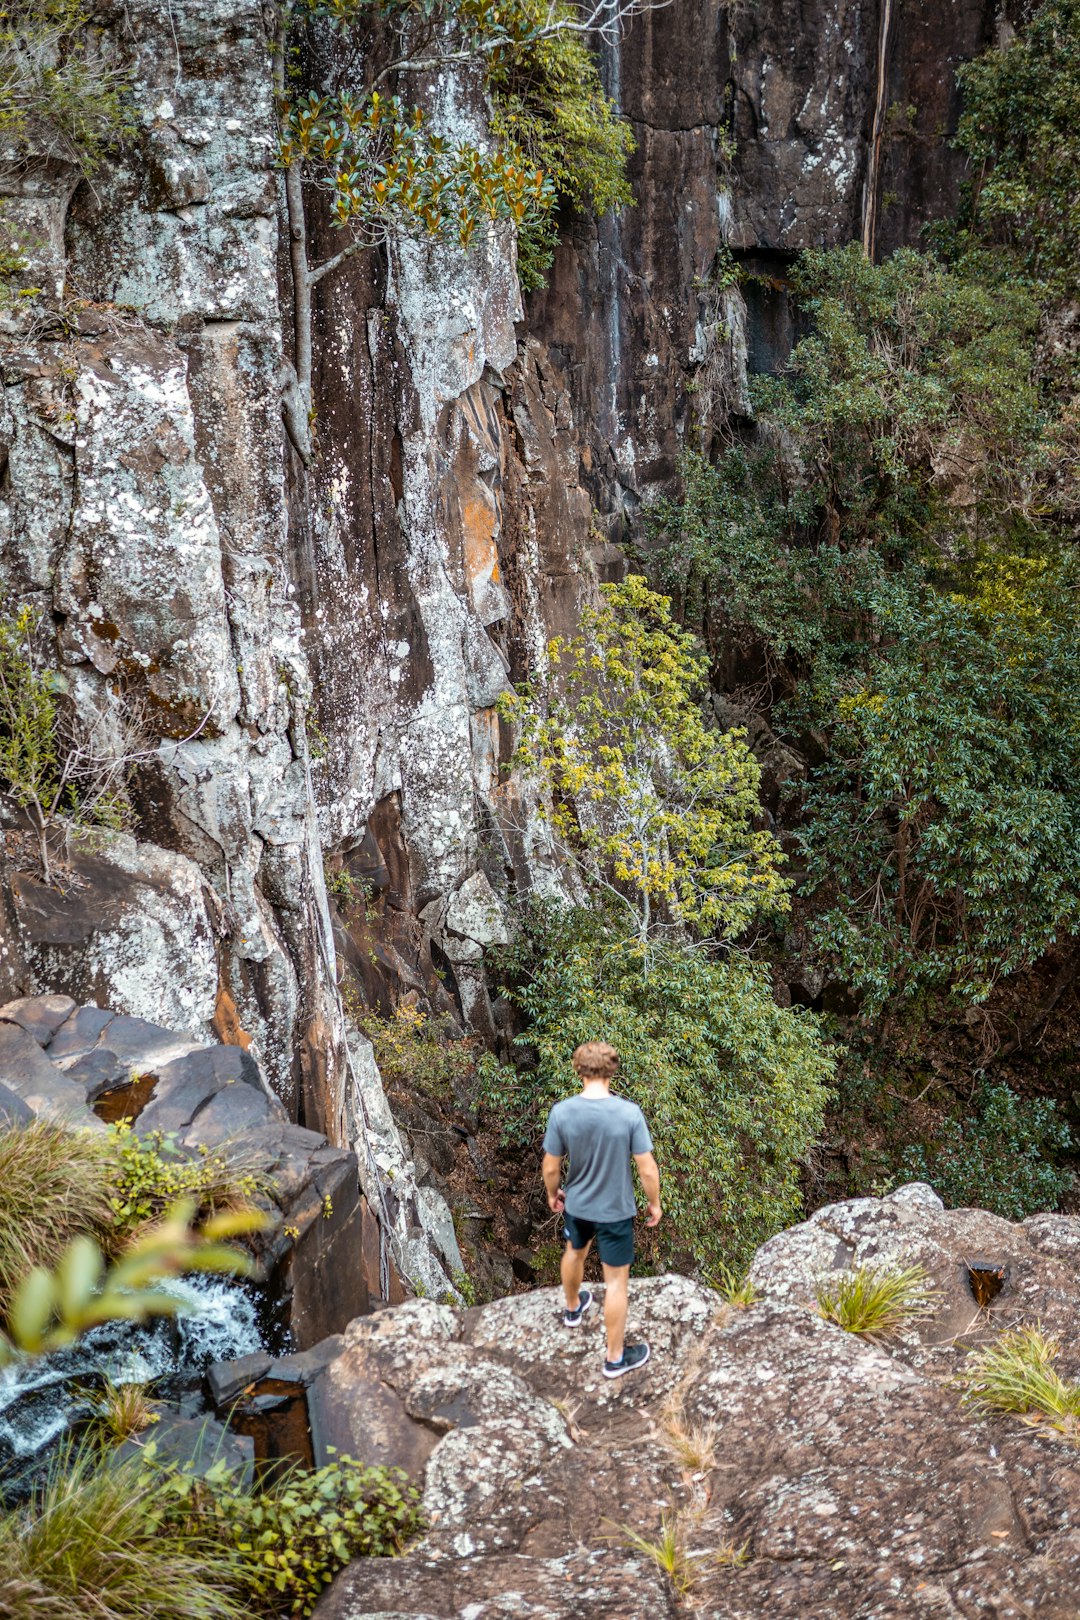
(54, 1186)
(1017, 1375)
(693, 1443)
(124, 1410)
(876, 1301)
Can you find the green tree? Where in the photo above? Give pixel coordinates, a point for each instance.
(733, 1086)
(943, 832)
(654, 807)
(1021, 129)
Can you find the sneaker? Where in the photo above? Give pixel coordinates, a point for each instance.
(633, 1357)
(574, 1318)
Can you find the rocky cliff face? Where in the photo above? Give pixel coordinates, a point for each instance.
(316, 658)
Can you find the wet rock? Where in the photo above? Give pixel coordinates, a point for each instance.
(195, 1444)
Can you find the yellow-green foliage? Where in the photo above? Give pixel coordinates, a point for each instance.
(876, 1300)
(294, 1536)
(652, 804)
(549, 101)
(1017, 1374)
(413, 1049)
(57, 95)
(150, 1173)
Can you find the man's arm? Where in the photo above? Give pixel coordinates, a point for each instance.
(650, 1181)
(551, 1170)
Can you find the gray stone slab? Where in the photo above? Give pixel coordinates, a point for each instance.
(226, 1381)
(234, 1110)
(80, 1033)
(40, 1016)
(97, 1071)
(25, 1070)
(196, 1444)
(145, 1047)
(186, 1085)
(13, 1111)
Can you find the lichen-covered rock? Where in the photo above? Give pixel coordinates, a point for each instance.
(803, 1471)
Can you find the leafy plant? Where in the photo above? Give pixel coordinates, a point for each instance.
(876, 1301)
(414, 1049)
(654, 808)
(732, 1085)
(92, 1540)
(550, 104)
(1003, 1153)
(291, 1538)
(151, 1173)
(1017, 1374)
(57, 93)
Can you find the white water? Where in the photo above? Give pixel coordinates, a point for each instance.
(39, 1398)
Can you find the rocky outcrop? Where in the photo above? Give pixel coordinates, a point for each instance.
(82, 1065)
(803, 1471)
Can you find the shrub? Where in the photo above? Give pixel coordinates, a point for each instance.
(57, 95)
(1020, 128)
(732, 1085)
(1017, 1374)
(152, 1173)
(294, 1536)
(54, 1186)
(413, 1049)
(998, 1155)
(94, 1540)
(876, 1301)
(550, 103)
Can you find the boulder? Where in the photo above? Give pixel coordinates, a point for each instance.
(803, 1471)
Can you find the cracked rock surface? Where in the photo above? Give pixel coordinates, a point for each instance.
(830, 1476)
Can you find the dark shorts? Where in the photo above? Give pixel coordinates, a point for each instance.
(614, 1239)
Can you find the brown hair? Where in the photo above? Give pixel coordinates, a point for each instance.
(595, 1060)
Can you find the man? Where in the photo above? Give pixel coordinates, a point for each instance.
(600, 1134)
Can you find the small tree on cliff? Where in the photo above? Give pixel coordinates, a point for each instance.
(653, 807)
(382, 164)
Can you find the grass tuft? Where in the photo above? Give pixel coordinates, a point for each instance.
(54, 1186)
(90, 1544)
(124, 1410)
(1016, 1374)
(693, 1443)
(876, 1301)
(735, 1288)
(667, 1552)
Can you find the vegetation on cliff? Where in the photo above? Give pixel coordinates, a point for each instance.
(888, 556)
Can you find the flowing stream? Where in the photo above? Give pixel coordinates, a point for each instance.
(41, 1398)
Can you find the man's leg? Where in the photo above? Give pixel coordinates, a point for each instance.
(573, 1272)
(616, 1279)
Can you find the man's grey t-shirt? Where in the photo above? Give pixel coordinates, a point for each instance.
(599, 1134)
